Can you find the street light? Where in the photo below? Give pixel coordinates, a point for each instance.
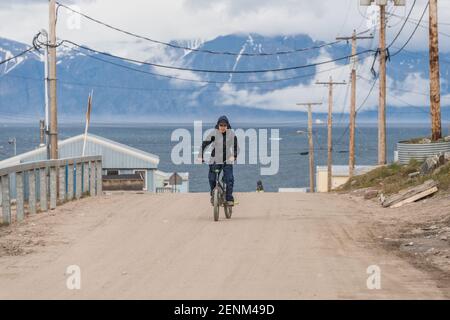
(382, 2)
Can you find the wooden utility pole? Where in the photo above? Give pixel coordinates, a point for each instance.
(382, 95)
(351, 161)
(435, 84)
(311, 143)
(382, 98)
(330, 85)
(52, 82)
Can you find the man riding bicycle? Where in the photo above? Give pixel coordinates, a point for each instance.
(224, 153)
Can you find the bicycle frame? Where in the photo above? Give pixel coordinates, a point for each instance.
(221, 185)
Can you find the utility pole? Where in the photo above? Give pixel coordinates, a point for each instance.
(330, 85)
(52, 82)
(351, 161)
(382, 94)
(46, 121)
(435, 83)
(311, 143)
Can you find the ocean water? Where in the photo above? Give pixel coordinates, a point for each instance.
(293, 166)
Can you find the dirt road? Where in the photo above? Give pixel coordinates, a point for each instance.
(276, 246)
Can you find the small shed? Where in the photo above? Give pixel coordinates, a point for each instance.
(339, 176)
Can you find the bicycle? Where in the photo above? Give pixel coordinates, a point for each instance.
(219, 196)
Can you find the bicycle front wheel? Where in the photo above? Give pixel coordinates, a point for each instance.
(216, 204)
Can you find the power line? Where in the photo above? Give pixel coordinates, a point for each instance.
(404, 24)
(169, 90)
(195, 49)
(206, 81)
(397, 89)
(359, 108)
(215, 71)
(17, 56)
(415, 21)
(413, 33)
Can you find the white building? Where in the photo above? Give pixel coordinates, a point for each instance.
(119, 160)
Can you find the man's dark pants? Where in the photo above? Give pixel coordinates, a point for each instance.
(227, 177)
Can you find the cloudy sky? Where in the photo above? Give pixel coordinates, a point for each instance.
(206, 19)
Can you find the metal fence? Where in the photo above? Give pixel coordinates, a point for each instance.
(42, 185)
(420, 152)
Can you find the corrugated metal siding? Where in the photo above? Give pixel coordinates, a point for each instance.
(420, 152)
(112, 159)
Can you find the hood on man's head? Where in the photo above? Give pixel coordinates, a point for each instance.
(223, 119)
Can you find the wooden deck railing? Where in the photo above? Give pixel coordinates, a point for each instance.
(42, 185)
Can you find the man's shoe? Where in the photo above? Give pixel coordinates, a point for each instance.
(230, 203)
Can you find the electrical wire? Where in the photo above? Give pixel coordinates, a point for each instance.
(413, 33)
(403, 26)
(415, 21)
(208, 81)
(195, 49)
(214, 71)
(17, 56)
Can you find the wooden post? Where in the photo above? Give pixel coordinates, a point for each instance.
(20, 212)
(32, 191)
(43, 189)
(78, 183)
(351, 160)
(435, 83)
(330, 85)
(311, 151)
(62, 183)
(99, 186)
(85, 177)
(311, 146)
(53, 187)
(52, 82)
(330, 136)
(382, 98)
(70, 182)
(6, 201)
(92, 178)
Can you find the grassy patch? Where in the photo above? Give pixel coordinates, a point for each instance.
(392, 178)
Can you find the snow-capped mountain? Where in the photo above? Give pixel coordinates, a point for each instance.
(120, 92)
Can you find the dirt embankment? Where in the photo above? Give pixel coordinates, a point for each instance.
(418, 232)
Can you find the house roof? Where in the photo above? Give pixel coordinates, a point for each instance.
(72, 146)
(143, 155)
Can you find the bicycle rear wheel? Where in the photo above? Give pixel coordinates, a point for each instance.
(216, 204)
